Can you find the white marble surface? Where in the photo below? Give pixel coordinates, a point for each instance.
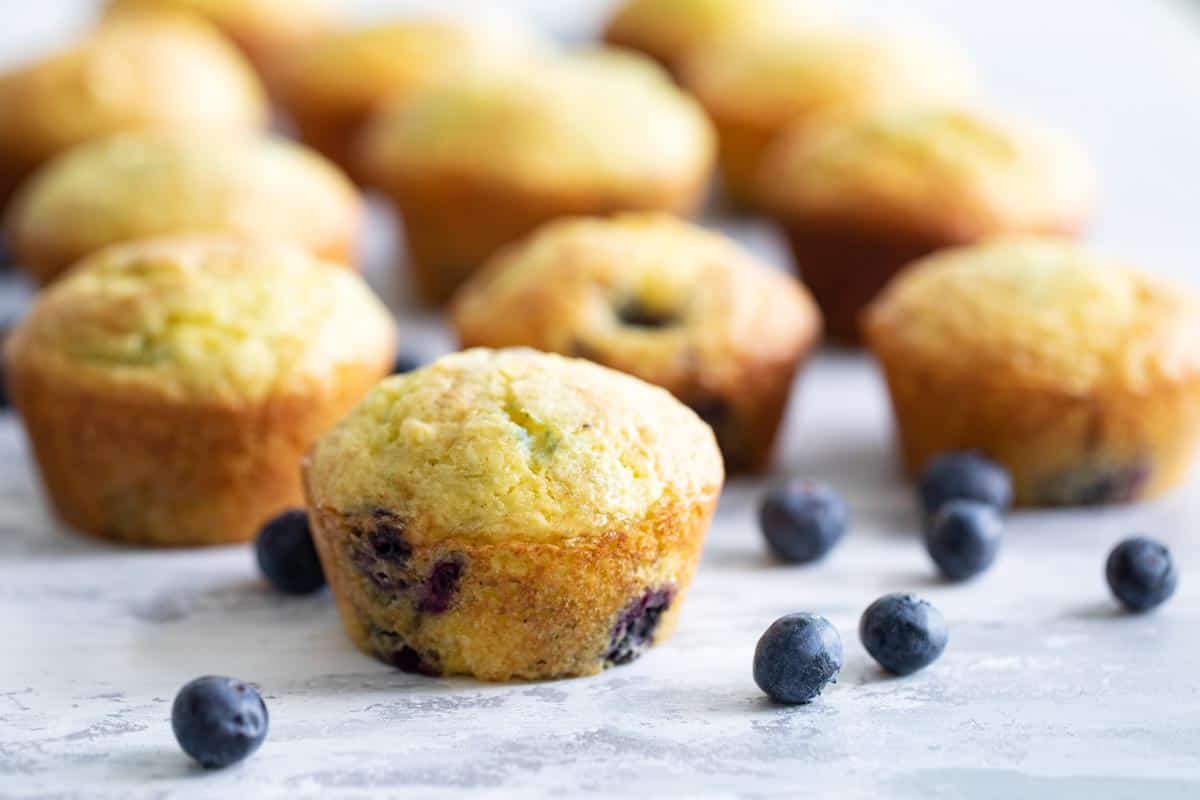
(1044, 691)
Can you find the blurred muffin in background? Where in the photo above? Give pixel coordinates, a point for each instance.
(664, 300)
(861, 199)
(337, 81)
(170, 387)
(756, 87)
(669, 30)
(142, 72)
(1078, 374)
(480, 163)
(265, 30)
(137, 185)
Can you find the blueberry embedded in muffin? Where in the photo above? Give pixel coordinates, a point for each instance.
(676, 305)
(512, 514)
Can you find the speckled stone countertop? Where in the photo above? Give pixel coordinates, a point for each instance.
(1044, 691)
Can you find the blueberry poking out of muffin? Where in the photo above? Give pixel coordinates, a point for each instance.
(963, 538)
(797, 657)
(219, 721)
(802, 521)
(1141, 574)
(903, 632)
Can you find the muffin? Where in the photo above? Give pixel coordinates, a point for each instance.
(170, 387)
(332, 86)
(755, 87)
(1079, 375)
(669, 30)
(661, 299)
(864, 198)
(137, 73)
(142, 184)
(512, 515)
(267, 31)
(478, 164)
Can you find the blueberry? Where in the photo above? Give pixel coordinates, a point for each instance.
(796, 657)
(963, 539)
(634, 630)
(964, 476)
(405, 362)
(802, 521)
(1141, 573)
(219, 721)
(903, 633)
(287, 556)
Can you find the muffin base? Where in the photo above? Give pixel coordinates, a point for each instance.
(508, 610)
(1061, 450)
(128, 467)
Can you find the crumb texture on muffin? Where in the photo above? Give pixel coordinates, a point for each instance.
(500, 446)
(137, 185)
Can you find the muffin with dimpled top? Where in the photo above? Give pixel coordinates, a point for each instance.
(1078, 374)
(512, 515)
(676, 305)
(170, 387)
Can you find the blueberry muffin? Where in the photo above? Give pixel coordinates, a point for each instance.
(863, 198)
(332, 86)
(481, 163)
(170, 387)
(755, 87)
(137, 185)
(512, 515)
(1079, 375)
(668, 30)
(661, 299)
(149, 72)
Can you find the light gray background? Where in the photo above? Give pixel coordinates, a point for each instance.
(1044, 691)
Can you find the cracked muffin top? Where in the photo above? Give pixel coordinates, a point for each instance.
(644, 293)
(1039, 313)
(949, 172)
(599, 120)
(515, 444)
(204, 319)
(137, 185)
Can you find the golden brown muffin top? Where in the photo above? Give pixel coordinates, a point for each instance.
(515, 444)
(1039, 313)
(670, 29)
(950, 172)
(249, 20)
(144, 72)
(137, 185)
(644, 293)
(203, 319)
(793, 76)
(593, 121)
(351, 72)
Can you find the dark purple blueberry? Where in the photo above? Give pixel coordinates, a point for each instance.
(964, 538)
(219, 721)
(405, 363)
(634, 630)
(964, 476)
(797, 657)
(903, 633)
(1096, 485)
(802, 520)
(287, 556)
(389, 545)
(1141, 573)
(439, 589)
(406, 659)
(636, 314)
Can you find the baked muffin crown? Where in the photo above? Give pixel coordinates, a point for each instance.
(154, 71)
(945, 171)
(248, 22)
(1039, 313)
(515, 445)
(582, 122)
(206, 319)
(142, 184)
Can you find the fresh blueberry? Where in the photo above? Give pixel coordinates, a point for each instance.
(287, 556)
(219, 721)
(405, 362)
(796, 657)
(903, 633)
(802, 520)
(1141, 573)
(964, 476)
(963, 539)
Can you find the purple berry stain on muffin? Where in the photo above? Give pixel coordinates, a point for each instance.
(1097, 484)
(391, 648)
(634, 631)
(382, 553)
(635, 314)
(439, 589)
